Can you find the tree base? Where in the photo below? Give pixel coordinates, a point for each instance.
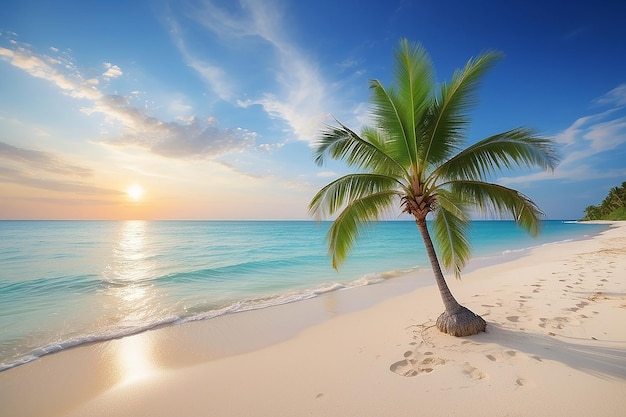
(462, 323)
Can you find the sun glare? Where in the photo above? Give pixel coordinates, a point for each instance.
(135, 192)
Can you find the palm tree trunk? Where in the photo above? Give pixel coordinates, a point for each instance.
(456, 319)
(452, 306)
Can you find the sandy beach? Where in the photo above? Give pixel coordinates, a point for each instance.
(555, 346)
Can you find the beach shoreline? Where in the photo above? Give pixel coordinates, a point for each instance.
(554, 346)
(73, 283)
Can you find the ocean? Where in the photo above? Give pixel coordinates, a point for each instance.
(66, 283)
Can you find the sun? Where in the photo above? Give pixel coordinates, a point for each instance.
(135, 192)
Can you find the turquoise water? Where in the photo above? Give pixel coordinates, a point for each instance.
(64, 283)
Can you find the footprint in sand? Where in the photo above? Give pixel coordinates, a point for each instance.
(508, 353)
(416, 363)
(554, 323)
(473, 372)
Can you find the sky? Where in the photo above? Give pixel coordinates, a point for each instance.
(210, 109)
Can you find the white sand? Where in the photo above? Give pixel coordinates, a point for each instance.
(555, 346)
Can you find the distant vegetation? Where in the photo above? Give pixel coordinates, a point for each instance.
(613, 207)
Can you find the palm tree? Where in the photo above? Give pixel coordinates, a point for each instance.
(593, 213)
(412, 159)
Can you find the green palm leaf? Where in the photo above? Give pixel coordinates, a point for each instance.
(346, 228)
(399, 109)
(451, 237)
(500, 201)
(347, 189)
(450, 224)
(514, 148)
(341, 143)
(448, 119)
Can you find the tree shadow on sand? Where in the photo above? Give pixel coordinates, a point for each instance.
(590, 356)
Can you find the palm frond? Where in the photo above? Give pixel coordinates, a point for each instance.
(514, 148)
(389, 119)
(387, 163)
(346, 228)
(398, 110)
(341, 143)
(347, 189)
(448, 118)
(451, 239)
(501, 201)
(453, 203)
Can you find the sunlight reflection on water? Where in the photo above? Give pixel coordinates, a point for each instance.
(131, 260)
(131, 298)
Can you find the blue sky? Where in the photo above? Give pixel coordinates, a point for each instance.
(212, 107)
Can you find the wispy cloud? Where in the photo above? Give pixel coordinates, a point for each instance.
(327, 174)
(588, 136)
(45, 67)
(301, 98)
(45, 170)
(183, 138)
(616, 96)
(42, 161)
(216, 77)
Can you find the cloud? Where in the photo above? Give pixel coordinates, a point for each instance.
(72, 203)
(193, 139)
(616, 96)
(608, 135)
(190, 136)
(327, 174)
(570, 135)
(45, 170)
(269, 147)
(112, 71)
(42, 161)
(348, 63)
(214, 76)
(600, 136)
(301, 98)
(576, 173)
(43, 67)
(8, 175)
